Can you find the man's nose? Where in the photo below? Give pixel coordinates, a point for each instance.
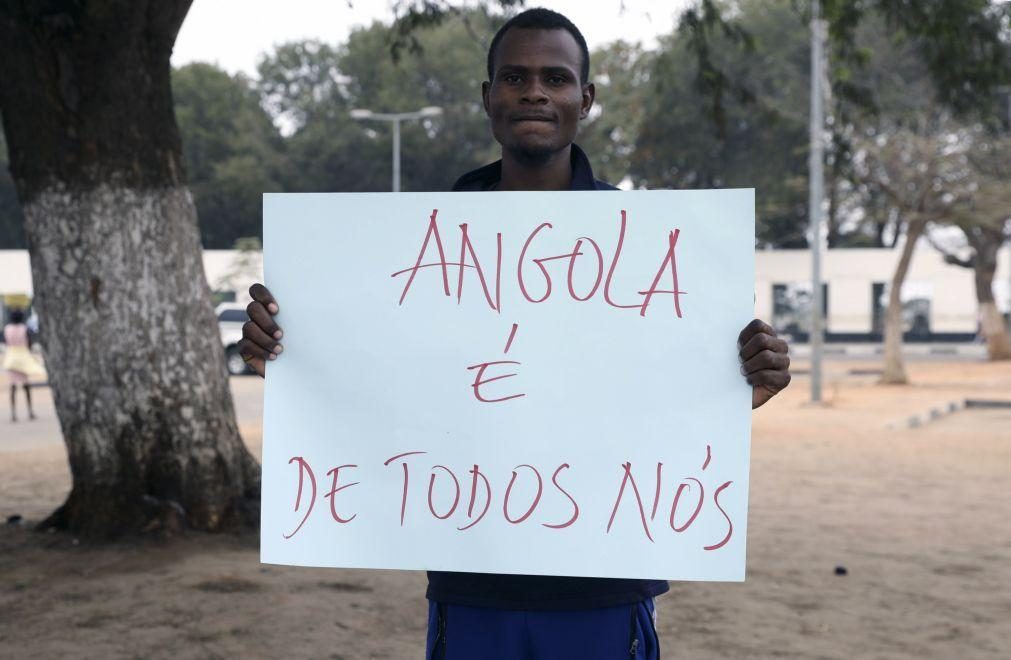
(533, 92)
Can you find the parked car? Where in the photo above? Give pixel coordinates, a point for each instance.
(231, 317)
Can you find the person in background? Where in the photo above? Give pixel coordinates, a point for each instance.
(18, 361)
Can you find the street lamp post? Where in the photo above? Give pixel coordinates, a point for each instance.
(395, 119)
(815, 197)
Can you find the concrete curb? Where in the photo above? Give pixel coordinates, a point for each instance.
(937, 412)
(934, 413)
(873, 351)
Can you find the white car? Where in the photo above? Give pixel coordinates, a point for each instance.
(231, 317)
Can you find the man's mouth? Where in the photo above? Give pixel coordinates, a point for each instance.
(542, 118)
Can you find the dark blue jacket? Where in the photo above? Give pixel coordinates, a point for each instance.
(487, 177)
(537, 592)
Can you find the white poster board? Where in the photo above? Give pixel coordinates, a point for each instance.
(541, 410)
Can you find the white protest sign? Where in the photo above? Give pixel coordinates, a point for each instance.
(567, 402)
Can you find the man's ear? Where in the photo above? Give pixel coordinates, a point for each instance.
(485, 91)
(589, 93)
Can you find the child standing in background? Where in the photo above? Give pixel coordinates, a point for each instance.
(18, 361)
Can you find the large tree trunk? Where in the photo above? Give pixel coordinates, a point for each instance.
(130, 339)
(894, 372)
(986, 242)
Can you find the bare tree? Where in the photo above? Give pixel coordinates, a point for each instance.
(984, 218)
(919, 167)
(984, 242)
(135, 363)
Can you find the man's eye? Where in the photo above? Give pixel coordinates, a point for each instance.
(511, 78)
(556, 80)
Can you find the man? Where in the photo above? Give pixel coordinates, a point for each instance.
(538, 90)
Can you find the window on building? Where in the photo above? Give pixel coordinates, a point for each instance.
(915, 298)
(791, 308)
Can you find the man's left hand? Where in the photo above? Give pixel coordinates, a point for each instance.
(765, 362)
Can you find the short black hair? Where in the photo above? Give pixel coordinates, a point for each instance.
(541, 19)
(17, 316)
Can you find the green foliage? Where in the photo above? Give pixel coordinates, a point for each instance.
(329, 151)
(762, 142)
(447, 72)
(231, 149)
(886, 92)
(703, 30)
(303, 88)
(893, 63)
(963, 44)
(621, 73)
(723, 103)
(413, 17)
(301, 82)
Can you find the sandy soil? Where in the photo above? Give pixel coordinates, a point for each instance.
(921, 518)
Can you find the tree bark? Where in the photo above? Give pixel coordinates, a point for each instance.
(131, 343)
(986, 242)
(894, 371)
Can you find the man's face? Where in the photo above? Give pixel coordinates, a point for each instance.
(536, 99)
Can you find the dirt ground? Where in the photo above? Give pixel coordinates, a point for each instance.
(920, 518)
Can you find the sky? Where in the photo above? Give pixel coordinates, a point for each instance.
(234, 33)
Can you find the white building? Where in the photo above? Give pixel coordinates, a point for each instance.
(939, 298)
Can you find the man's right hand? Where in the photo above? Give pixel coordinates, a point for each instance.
(260, 334)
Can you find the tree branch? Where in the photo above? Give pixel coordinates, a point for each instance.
(951, 257)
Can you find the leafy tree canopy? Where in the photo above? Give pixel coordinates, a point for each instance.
(231, 150)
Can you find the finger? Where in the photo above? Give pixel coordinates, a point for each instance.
(256, 364)
(258, 314)
(260, 294)
(252, 350)
(762, 342)
(771, 379)
(766, 360)
(755, 327)
(255, 334)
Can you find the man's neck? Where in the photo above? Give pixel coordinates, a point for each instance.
(553, 173)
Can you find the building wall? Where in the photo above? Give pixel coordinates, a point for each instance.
(850, 274)
(15, 272)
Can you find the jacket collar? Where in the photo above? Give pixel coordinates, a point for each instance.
(484, 178)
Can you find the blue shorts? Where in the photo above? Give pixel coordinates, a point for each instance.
(456, 632)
